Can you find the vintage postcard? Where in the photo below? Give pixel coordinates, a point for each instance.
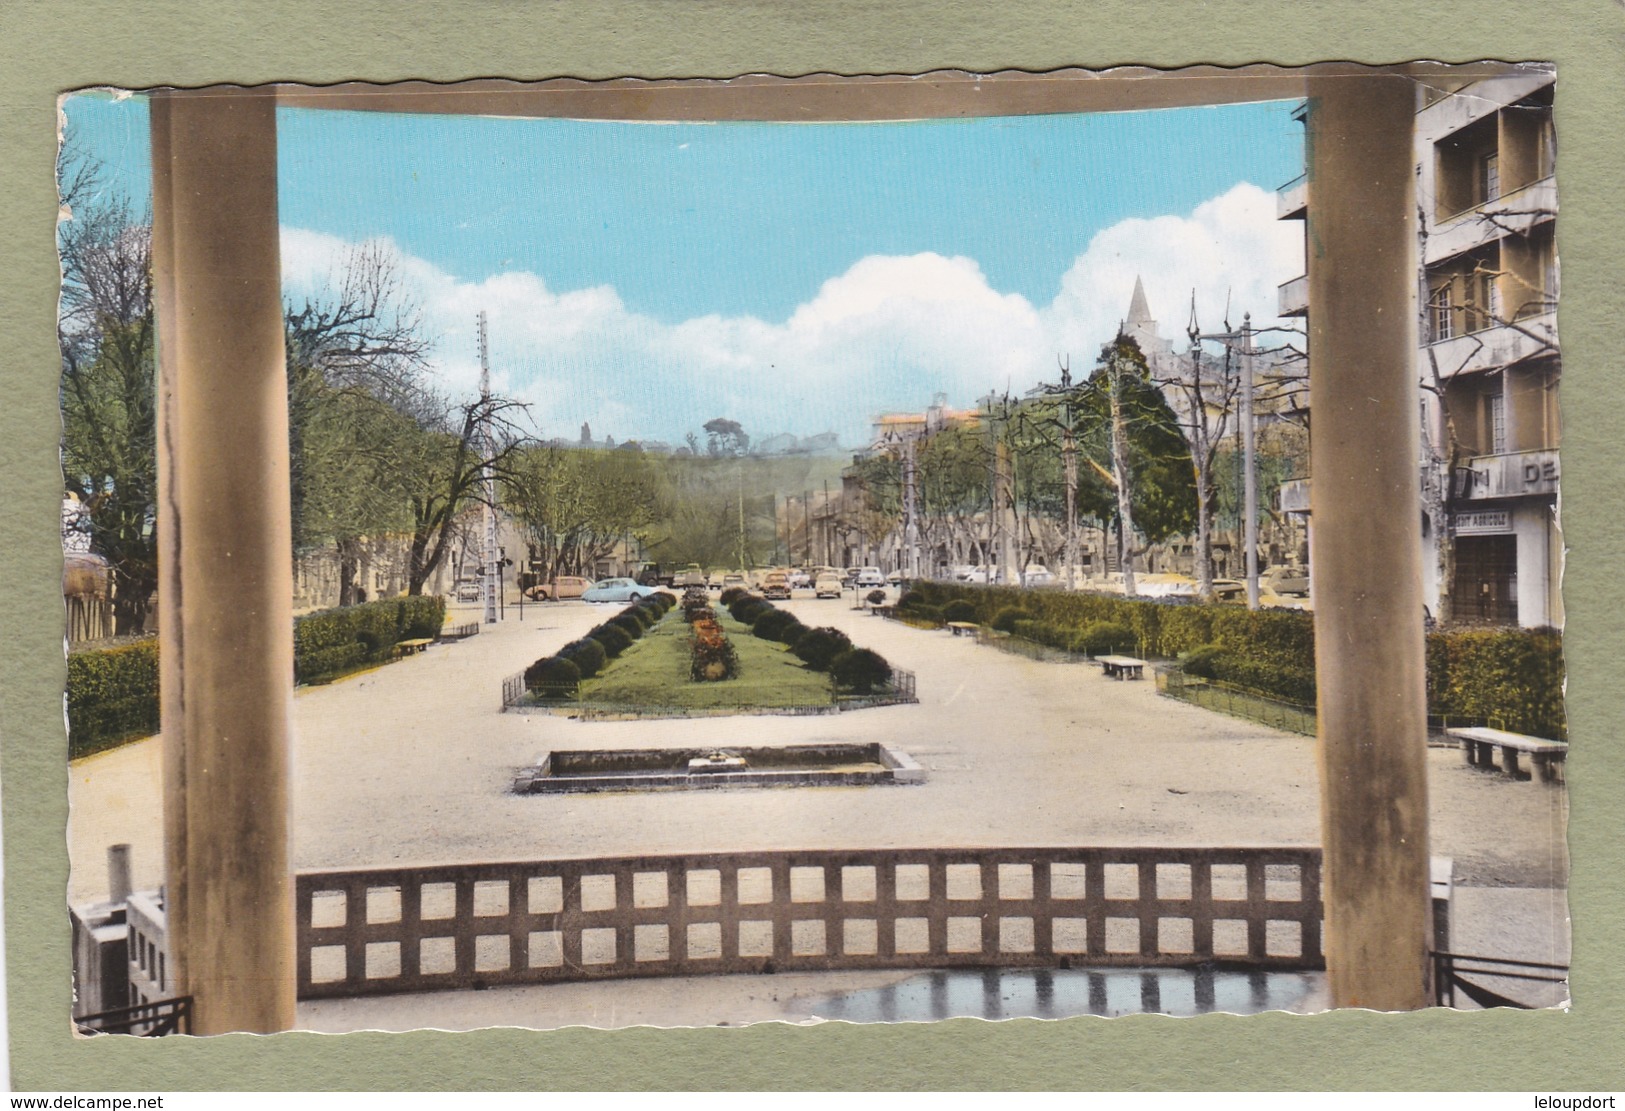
(698, 553)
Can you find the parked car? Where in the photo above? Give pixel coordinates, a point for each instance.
(895, 578)
(468, 590)
(560, 586)
(870, 576)
(800, 579)
(617, 590)
(1037, 575)
(735, 578)
(692, 575)
(827, 585)
(776, 584)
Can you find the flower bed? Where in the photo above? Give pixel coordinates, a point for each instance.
(713, 657)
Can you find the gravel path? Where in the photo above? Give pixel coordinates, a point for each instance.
(411, 763)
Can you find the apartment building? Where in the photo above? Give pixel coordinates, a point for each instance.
(1487, 347)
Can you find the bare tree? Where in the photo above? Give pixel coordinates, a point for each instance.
(109, 411)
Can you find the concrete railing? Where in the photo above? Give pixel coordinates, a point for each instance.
(486, 925)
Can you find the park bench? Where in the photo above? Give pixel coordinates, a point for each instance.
(963, 628)
(407, 647)
(1121, 667)
(1480, 744)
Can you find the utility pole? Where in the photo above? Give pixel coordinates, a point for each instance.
(825, 529)
(1249, 478)
(1069, 460)
(488, 481)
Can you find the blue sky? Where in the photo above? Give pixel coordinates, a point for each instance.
(650, 276)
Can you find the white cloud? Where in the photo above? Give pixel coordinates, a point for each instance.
(886, 334)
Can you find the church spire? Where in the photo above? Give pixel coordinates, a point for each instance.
(1138, 311)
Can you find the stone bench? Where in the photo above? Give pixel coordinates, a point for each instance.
(1121, 667)
(1480, 744)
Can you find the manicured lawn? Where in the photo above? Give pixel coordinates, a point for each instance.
(654, 673)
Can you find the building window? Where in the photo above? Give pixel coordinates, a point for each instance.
(1498, 420)
(1440, 319)
(1489, 176)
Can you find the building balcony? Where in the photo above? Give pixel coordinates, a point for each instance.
(1505, 344)
(1513, 474)
(1513, 213)
(1292, 199)
(1294, 297)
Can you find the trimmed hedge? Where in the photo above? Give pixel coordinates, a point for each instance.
(112, 696)
(748, 609)
(771, 621)
(1513, 677)
(587, 654)
(552, 673)
(331, 643)
(1005, 620)
(860, 670)
(817, 648)
(614, 639)
(732, 595)
(628, 624)
(790, 632)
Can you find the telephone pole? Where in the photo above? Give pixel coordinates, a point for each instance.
(488, 482)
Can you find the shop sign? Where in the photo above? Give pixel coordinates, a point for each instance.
(1483, 522)
(1517, 475)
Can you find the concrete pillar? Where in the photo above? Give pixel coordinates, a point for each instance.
(1367, 549)
(226, 590)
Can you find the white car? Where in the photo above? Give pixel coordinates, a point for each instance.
(1037, 575)
(827, 585)
(870, 576)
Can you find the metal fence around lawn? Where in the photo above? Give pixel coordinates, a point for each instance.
(1225, 698)
(566, 698)
(460, 632)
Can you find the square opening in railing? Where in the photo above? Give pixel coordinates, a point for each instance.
(964, 935)
(327, 909)
(1283, 883)
(807, 938)
(326, 964)
(1016, 935)
(1229, 881)
(1283, 939)
(860, 937)
(1069, 935)
(546, 895)
(1068, 881)
(1175, 935)
(598, 945)
(858, 883)
(545, 949)
(1122, 935)
(755, 885)
(597, 893)
(649, 889)
(493, 953)
(437, 956)
(1122, 881)
(383, 960)
(383, 904)
(1173, 881)
(1229, 937)
(704, 887)
(807, 885)
(1015, 881)
(651, 943)
(964, 881)
(437, 901)
(755, 939)
(490, 898)
(913, 882)
(704, 941)
(911, 935)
